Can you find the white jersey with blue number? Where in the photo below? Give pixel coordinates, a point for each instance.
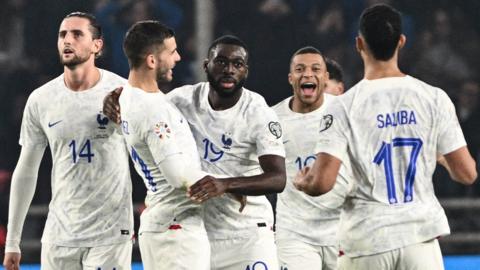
(229, 143)
(314, 220)
(392, 130)
(154, 130)
(91, 188)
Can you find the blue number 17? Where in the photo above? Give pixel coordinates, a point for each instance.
(385, 155)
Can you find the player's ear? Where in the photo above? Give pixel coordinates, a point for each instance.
(290, 79)
(97, 46)
(205, 64)
(402, 41)
(359, 44)
(150, 61)
(341, 87)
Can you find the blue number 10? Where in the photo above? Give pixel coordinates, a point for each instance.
(385, 155)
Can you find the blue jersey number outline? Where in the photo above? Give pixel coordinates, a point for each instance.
(385, 155)
(210, 148)
(85, 151)
(307, 161)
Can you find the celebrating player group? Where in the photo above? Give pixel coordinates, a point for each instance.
(352, 169)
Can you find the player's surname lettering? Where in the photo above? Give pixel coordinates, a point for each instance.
(397, 118)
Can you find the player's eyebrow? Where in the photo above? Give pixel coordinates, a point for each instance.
(74, 31)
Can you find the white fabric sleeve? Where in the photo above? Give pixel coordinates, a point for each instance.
(450, 137)
(179, 174)
(267, 132)
(24, 181)
(332, 134)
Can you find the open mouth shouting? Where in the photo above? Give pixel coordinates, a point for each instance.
(308, 88)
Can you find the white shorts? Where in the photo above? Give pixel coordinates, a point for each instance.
(426, 255)
(181, 247)
(255, 253)
(294, 254)
(117, 257)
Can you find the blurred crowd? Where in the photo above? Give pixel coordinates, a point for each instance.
(443, 49)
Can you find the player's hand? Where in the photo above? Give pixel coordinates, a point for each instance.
(206, 188)
(11, 261)
(111, 106)
(242, 199)
(300, 181)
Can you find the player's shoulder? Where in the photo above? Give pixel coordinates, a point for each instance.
(185, 96)
(255, 108)
(186, 91)
(282, 107)
(255, 101)
(429, 92)
(111, 79)
(45, 91)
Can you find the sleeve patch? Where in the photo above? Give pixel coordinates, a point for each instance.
(326, 122)
(275, 128)
(162, 130)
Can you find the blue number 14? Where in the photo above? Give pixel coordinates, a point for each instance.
(85, 151)
(385, 155)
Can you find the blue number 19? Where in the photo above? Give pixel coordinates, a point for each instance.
(385, 155)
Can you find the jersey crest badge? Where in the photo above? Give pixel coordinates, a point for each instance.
(326, 122)
(275, 128)
(162, 130)
(102, 121)
(227, 142)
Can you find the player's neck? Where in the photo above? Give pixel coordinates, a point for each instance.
(220, 103)
(375, 69)
(81, 77)
(298, 106)
(145, 81)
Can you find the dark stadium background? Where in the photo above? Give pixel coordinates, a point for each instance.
(443, 49)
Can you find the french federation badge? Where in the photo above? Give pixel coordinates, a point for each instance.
(162, 130)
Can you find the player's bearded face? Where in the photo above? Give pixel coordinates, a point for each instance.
(217, 85)
(76, 44)
(77, 58)
(166, 59)
(308, 77)
(227, 69)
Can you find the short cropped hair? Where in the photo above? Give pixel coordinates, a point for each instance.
(95, 27)
(307, 50)
(381, 27)
(334, 69)
(229, 40)
(143, 38)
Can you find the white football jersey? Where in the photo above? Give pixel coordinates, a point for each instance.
(91, 188)
(154, 130)
(392, 130)
(229, 143)
(313, 220)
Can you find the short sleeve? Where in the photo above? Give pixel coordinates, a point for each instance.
(160, 136)
(450, 136)
(332, 134)
(267, 132)
(31, 132)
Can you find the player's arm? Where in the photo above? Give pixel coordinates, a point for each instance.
(272, 180)
(24, 181)
(460, 165)
(452, 145)
(178, 174)
(111, 106)
(321, 178)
